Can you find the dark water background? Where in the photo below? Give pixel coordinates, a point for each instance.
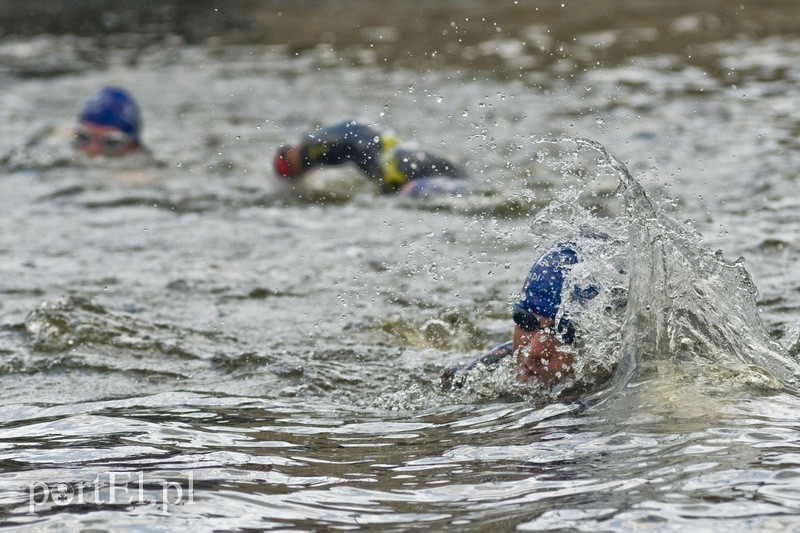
(275, 352)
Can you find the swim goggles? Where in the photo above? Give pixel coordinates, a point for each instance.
(528, 321)
(111, 143)
(525, 319)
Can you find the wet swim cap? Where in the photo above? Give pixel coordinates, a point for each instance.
(542, 288)
(112, 106)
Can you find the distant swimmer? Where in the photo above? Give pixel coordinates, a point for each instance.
(395, 169)
(542, 343)
(110, 124)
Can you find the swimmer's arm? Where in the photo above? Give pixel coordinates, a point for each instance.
(494, 357)
(59, 134)
(487, 360)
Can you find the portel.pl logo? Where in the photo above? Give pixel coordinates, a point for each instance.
(111, 488)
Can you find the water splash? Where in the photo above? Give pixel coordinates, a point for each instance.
(689, 311)
(670, 312)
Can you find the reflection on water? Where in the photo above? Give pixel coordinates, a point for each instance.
(191, 341)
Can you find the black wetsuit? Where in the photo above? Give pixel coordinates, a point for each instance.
(377, 155)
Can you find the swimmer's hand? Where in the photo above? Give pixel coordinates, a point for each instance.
(448, 379)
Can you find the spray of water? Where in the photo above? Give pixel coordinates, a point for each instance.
(670, 313)
(690, 313)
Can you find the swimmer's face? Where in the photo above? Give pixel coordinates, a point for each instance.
(92, 139)
(541, 355)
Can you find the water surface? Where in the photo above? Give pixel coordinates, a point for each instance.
(274, 353)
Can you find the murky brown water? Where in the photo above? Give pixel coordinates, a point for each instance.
(188, 344)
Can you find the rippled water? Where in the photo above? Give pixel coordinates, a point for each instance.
(187, 343)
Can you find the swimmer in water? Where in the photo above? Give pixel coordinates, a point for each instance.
(109, 125)
(412, 173)
(541, 342)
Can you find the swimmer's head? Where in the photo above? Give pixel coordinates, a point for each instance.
(288, 163)
(109, 124)
(541, 299)
(114, 107)
(540, 337)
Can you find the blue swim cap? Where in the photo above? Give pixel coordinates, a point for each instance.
(542, 288)
(112, 106)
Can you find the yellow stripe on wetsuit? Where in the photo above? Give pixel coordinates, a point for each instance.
(392, 178)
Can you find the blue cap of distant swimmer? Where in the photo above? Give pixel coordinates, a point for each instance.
(112, 106)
